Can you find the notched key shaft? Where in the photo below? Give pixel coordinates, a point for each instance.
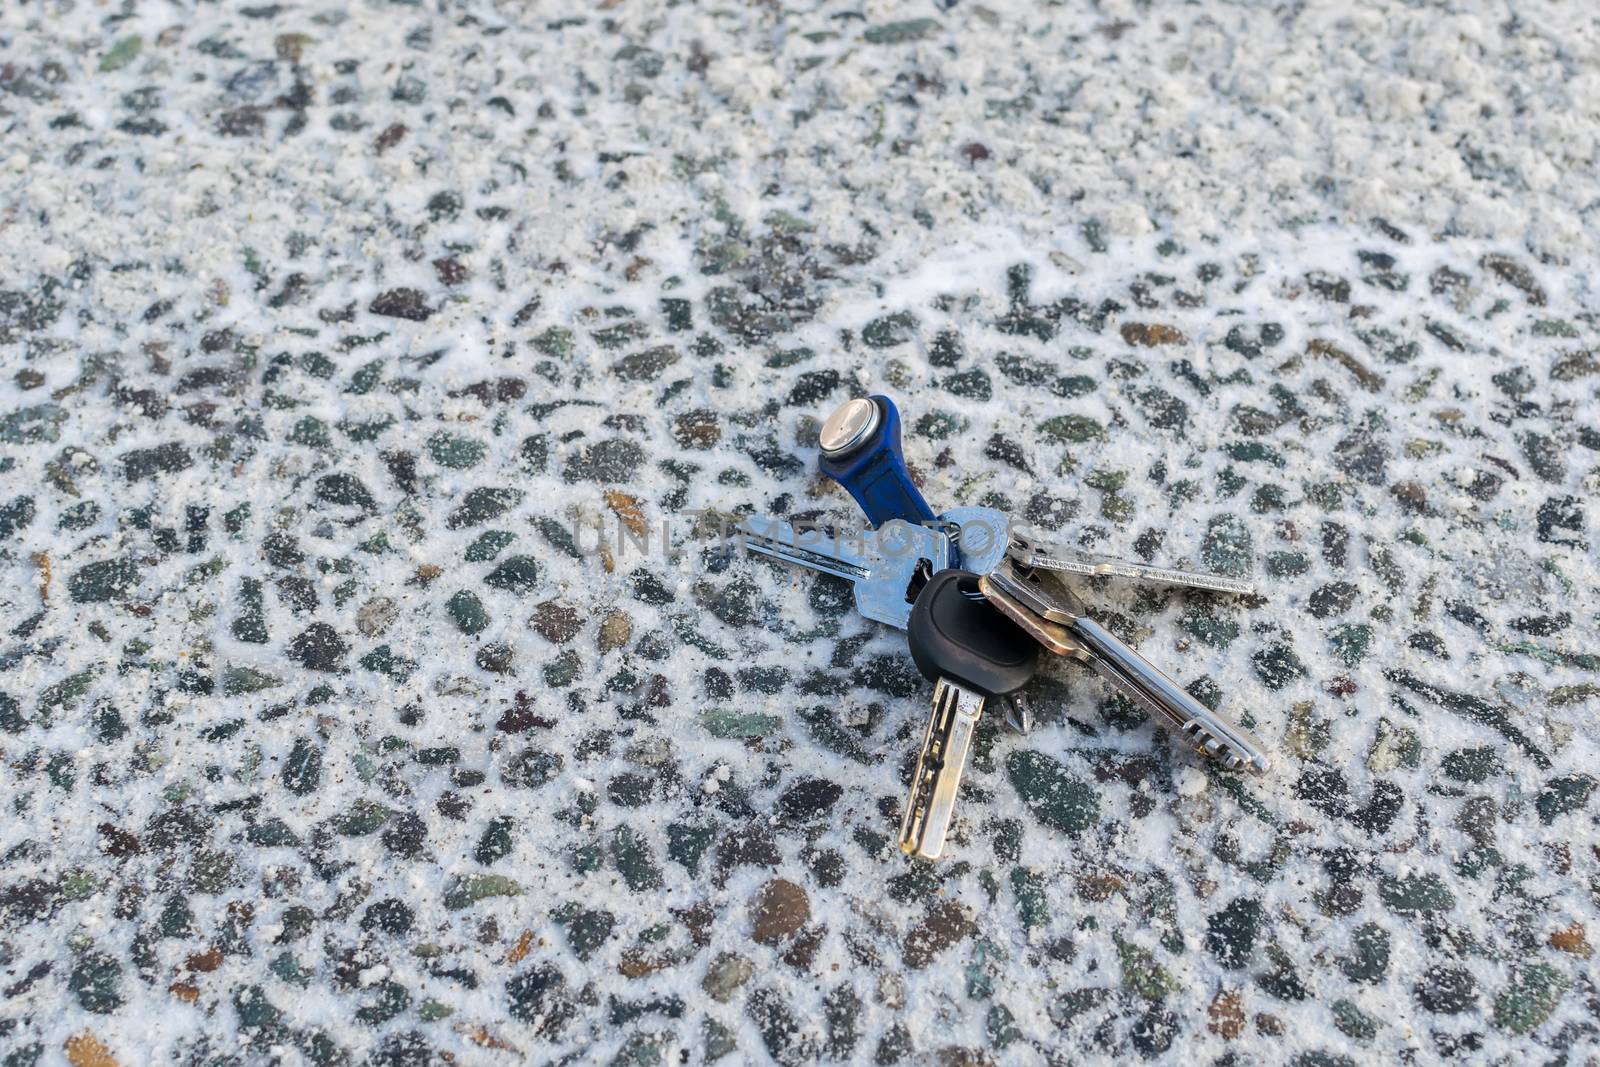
(937, 779)
(972, 654)
(1036, 554)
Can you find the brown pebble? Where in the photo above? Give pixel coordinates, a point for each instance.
(946, 923)
(389, 137)
(1574, 940)
(1270, 1025)
(1150, 334)
(616, 630)
(86, 1050)
(628, 510)
(28, 378)
(204, 962)
(522, 715)
(637, 963)
(1098, 887)
(451, 271)
(1226, 1014)
(291, 46)
(804, 948)
(556, 622)
(778, 909)
(696, 429)
(1411, 497)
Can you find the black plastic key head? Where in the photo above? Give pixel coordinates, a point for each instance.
(956, 634)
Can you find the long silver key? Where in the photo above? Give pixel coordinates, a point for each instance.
(1030, 552)
(886, 566)
(1044, 607)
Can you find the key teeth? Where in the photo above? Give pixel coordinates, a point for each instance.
(1211, 745)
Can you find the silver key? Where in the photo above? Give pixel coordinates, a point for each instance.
(1057, 619)
(884, 565)
(940, 761)
(1033, 553)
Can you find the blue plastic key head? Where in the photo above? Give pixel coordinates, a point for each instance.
(861, 451)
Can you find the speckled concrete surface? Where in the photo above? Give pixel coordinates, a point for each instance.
(331, 332)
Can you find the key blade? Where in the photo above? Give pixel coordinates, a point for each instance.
(1031, 553)
(811, 548)
(936, 781)
(881, 564)
(1137, 677)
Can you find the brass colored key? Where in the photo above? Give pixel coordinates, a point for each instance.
(972, 654)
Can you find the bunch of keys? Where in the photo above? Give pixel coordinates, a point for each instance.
(996, 594)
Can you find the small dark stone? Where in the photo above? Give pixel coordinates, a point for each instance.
(1330, 287)
(781, 1032)
(890, 330)
(631, 790)
(1429, 642)
(495, 658)
(495, 842)
(104, 580)
(467, 612)
(302, 770)
(612, 462)
(1446, 990)
(1053, 795)
(538, 996)
(969, 385)
(813, 387)
(1362, 456)
(518, 575)
(1563, 795)
(1009, 452)
(1509, 270)
(1335, 598)
(281, 550)
(1154, 1031)
(646, 365)
(1544, 455)
(1325, 789)
(556, 621)
(405, 835)
(15, 516)
(481, 505)
(319, 648)
(1561, 513)
(402, 303)
(946, 349)
(1368, 958)
(390, 915)
(810, 798)
(532, 767)
(96, 981)
(1277, 665)
(345, 490)
(1231, 933)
